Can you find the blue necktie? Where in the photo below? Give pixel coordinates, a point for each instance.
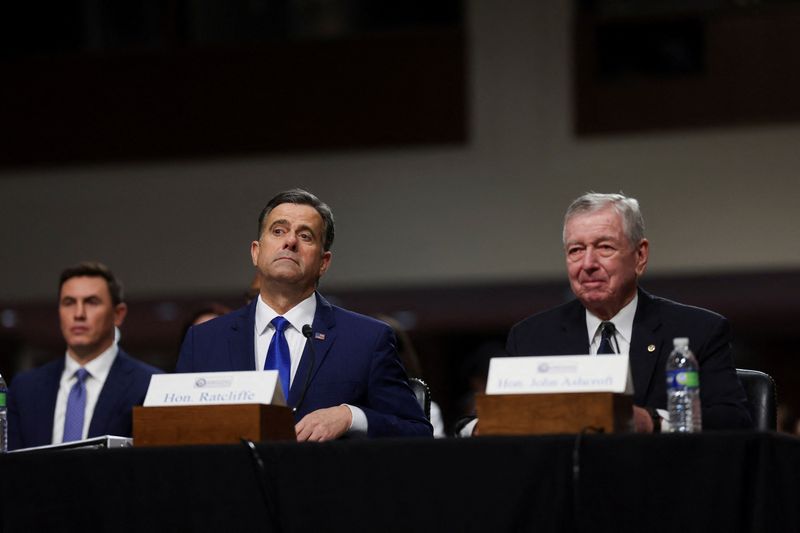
(607, 330)
(278, 357)
(76, 408)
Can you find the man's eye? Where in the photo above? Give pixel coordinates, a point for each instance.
(277, 231)
(605, 249)
(305, 236)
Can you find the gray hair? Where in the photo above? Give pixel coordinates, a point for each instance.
(627, 208)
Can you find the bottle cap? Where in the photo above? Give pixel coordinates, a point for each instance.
(680, 342)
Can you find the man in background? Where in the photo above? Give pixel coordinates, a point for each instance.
(91, 390)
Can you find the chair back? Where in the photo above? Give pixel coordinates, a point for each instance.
(760, 390)
(423, 394)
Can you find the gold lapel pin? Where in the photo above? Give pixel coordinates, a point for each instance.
(651, 348)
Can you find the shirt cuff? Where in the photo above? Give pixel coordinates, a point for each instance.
(358, 425)
(664, 415)
(468, 428)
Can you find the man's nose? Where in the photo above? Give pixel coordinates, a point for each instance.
(290, 241)
(80, 310)
(589, 259)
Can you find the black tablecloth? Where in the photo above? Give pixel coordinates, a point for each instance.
(713, 482)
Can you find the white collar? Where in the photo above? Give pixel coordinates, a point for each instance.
(623, 320)
(298, 316)
(98, 368)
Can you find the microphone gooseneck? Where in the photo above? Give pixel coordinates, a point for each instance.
(307, 333)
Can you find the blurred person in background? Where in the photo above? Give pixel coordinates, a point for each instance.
(410, 359)
(91, 390)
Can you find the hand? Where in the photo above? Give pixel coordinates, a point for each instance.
(324, 424)
(642, 421)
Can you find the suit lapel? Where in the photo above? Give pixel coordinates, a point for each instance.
(575, 338)
(241, 341)
(51, 383)
(323, 335)
(645, 345)
(114, 388)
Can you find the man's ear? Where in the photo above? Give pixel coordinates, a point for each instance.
(642, 254)
(255, 248)
(326, 262)
(120, 312)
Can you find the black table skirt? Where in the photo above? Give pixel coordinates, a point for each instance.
(713, 482)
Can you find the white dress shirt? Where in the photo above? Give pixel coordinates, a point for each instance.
(98, 369)
(298, 316)
(623, 325)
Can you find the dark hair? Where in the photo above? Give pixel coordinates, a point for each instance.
(302, 197)
(94, 269)
(210, 308)
(405, 348)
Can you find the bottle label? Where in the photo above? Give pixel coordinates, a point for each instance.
(2, 399)
(683, 379)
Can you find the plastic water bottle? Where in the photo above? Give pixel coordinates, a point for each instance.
(683, 389)
(3, 416)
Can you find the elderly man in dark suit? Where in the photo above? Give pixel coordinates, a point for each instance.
(92, 389)
(340, 368)
(606, 254)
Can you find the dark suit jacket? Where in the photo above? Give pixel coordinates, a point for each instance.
(32, 401)
(562, 331)
(356, 363)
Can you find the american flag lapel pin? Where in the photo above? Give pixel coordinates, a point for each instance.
(319, 336)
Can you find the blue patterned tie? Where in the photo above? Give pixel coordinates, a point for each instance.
(607, 330)
(278, 357)
(76, 408)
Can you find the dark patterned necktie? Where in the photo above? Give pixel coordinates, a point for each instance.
(607, 330)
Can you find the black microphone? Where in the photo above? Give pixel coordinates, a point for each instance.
(307, 332)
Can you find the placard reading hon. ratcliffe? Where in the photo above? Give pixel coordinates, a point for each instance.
(214, 388)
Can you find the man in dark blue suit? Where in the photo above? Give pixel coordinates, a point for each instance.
(91, 390)
(341, 368)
